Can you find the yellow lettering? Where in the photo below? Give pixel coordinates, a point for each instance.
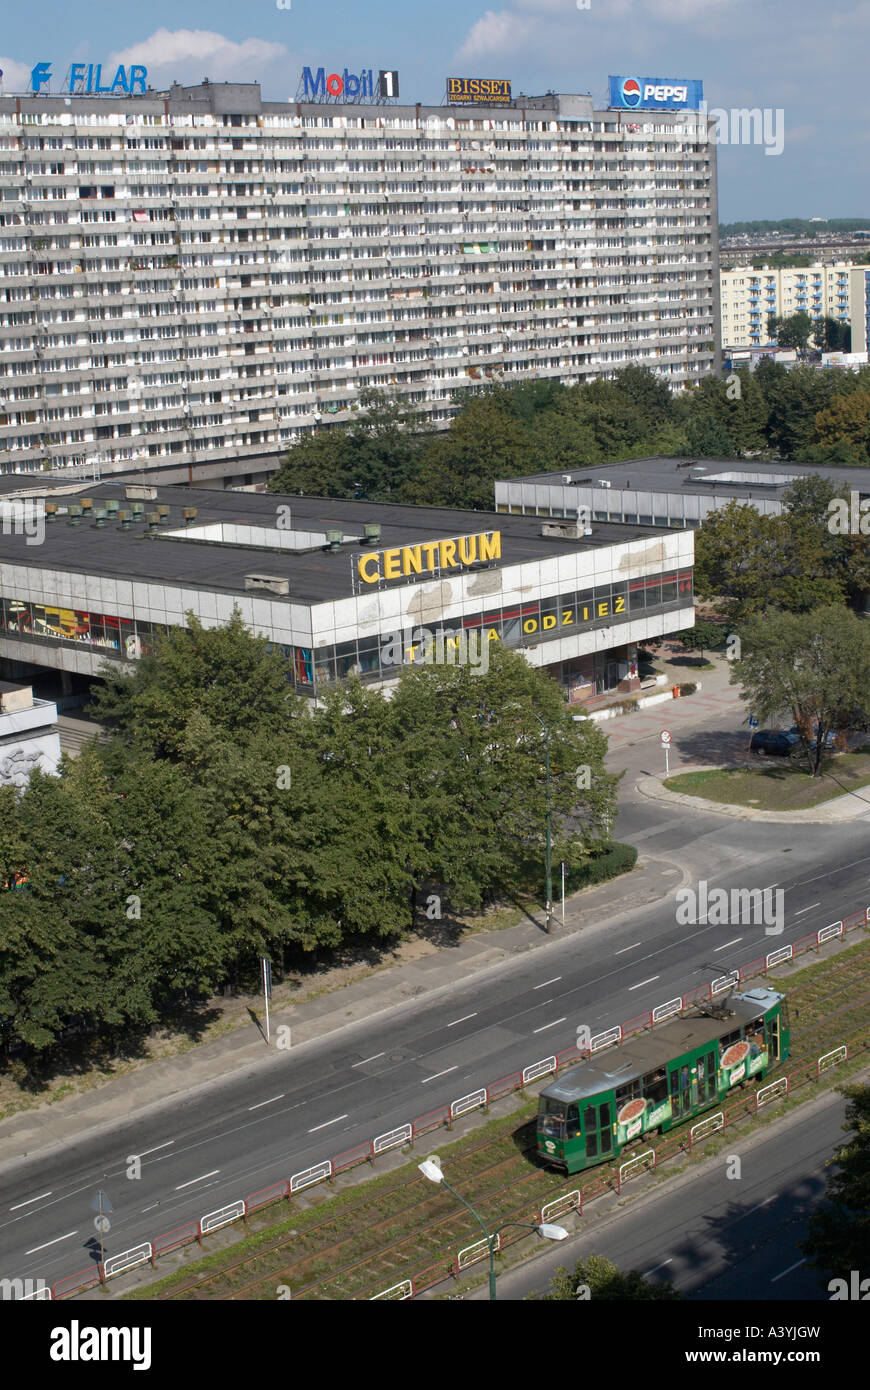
(530, 625)
(548, 621)
(585, 615)
(619, 604)
(392, 560)
(447, 553)
(430, 548)
(411, 559)
(468, 549)
(492, 635)
(364, 562)
(567, 617)
(603, 608)
(490, 546)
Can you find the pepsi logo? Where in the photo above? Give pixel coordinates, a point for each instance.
(631, 92)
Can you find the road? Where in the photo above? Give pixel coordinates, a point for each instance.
(715, 1237)
(234, 1137)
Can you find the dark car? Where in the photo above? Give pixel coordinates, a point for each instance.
(775, 741)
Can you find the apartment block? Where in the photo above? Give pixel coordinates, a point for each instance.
(749, 297)
(196, 278)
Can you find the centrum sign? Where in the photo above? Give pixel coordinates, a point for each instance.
(86, 79)
(428, 557)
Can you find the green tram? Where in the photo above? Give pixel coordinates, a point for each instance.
(659, 1079)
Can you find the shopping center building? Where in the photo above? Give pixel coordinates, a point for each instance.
(98, 574)
(190, 280)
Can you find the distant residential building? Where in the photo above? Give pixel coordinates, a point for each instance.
(749, 297)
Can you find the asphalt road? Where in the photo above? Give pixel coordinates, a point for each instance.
(715, 1237)
(232, 1138)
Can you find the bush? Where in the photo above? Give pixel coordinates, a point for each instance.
(687, 688)
(608, 862)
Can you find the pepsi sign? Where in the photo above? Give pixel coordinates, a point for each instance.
(656, 93)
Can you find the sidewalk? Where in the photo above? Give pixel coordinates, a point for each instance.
(441, 969)
(850, 806)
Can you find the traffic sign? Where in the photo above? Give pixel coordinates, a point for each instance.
(102, 1224)
(101, 1203)
(666, 737)
(753, 722)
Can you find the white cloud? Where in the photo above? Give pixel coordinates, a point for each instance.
(188, 55)
(16, 76)
(497, 32)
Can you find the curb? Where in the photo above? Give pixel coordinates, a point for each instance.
(652, 788)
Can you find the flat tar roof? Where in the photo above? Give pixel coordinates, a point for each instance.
(315, 576)
(687, 475)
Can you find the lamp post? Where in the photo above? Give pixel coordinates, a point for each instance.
(431, 1169)
(549, 865)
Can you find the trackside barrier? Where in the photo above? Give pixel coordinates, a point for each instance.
(400, 1291)
(221, 1217)
(473, 1101)
(561, 1205)
(772, 1092)
(830, 1059)
(478, 1251)
(637, 1025)
(725, 982)
(826, 933)
(128, 1259)
(663, 1011)
(392, 1140)
(435, 1119)
(776, 957)
(706, 1127)
(266, 1196)
(605, 1039)
(308, 1176)
(539, 1069)
(41, 1295)
(635, 1166)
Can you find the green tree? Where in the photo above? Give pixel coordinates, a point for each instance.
(791, 331)
(599, 1280)
(831, 335)
(812, 666)
(373, 456)
(458, 468)
(702, 636)
(845, 423)
(839, 1231)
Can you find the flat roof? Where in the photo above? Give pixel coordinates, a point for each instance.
(686, 474)
(315, 576)
(649, 1051)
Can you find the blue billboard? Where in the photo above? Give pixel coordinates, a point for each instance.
(656, 93)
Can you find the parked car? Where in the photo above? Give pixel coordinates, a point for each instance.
(830, 736)
(774, 741)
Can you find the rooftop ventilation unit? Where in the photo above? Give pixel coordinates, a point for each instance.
(566, 477)
(334, 539)
(273, 582)
(565, 530)
(372, 531)
(604, 482)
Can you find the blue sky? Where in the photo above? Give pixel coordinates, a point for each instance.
(804, 58)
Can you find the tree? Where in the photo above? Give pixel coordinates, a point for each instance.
(812, 666)
(703, 635)
(223, 673)
(794, 399)
(831, 335)
(649, 393)
(599, 1280)
(371, 457)
(458, 468)
(845, 423)
(839, 1232)
(791, 331)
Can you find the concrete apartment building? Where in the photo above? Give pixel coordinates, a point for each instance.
(750, 296)
(192, 279)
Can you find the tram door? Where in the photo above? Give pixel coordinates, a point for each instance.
(774, 1047)
(598, 1130)
(680, 1086)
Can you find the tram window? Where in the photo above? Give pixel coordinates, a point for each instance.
(754, 1035)
(655, 1086)
(589, 1119)
(572, 1122)
(725, 1043)
(591, 1145)
(604, 1116)
(630, 1091)
(606, 1140)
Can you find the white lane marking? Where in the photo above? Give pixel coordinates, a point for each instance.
(769, 886)
(727, 944)
(549, 1025)
(627, 948)
(151, 1208)
(464, 1019)
(762, 1204)
(427, 1079)
(270, 1101)
(30, 1200)
(37, 1248)
(787, 1271)
(368, 1059)
(146, 1152)
(661, 1266)
(641, 983)
(548, 982)
(201, 1178)
(802, 910)
(327, 1123)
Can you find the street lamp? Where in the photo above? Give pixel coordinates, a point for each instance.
(549, 865)
(431, 1169)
